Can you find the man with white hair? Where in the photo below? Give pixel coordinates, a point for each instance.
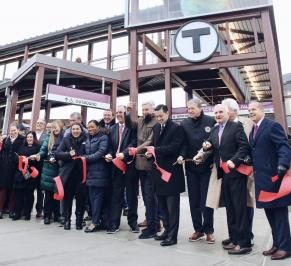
(233, 112)
(229, 144)
(75, 117)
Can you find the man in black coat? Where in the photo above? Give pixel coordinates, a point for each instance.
(122, 135)
(271, 157)
(230, 145)
(168, 138)
(197, 129)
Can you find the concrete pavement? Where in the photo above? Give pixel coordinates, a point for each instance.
(33, 243)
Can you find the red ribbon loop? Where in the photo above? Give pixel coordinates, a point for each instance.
(120, 165)
(284, 190)
(243, 169)
(132, 152)
(23, 167)
(59, 195)
(165, 174)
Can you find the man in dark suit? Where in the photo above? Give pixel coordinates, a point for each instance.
(197, 128)
(271, 156)
(167, 140)
(122, 135)
(229, 143)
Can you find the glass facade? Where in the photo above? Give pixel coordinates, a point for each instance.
(139, 12)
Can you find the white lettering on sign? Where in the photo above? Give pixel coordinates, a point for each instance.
(196, 41)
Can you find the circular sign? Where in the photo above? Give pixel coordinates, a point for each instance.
(196, 41)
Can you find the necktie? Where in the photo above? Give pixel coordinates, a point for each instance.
(255, 131)
(220, 133)
(162, 129)
(120, 131)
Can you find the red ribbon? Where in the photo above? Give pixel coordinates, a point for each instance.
(23, 167)
(132, 152)
(243, 169)
(120, 165)
(165, 174)
(284, 190)
(1, 144)
(84, 164)
(60, 194)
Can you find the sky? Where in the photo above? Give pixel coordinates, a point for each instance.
(24, 19)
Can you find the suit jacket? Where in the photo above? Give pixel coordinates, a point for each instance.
(128, 140)
(269, 149)
(167, 148)
(233, 146)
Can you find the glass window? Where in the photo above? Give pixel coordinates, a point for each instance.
(100, 50)
(120, 45)
(59, 54)
(11, 68)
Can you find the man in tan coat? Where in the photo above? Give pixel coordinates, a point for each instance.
(145, 126)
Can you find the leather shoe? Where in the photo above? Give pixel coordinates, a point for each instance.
(161, 237)
(168, 242)
(134, 228)
(16, 217)
(280, 255)
(91, 229)
(143, 224)
(47, 220)
(146, 234)
(210, 238)
(67, 225)
(225, 242)
(1, 215)
(270, 251)
(229, 246)
(239, 250)
(196, 236)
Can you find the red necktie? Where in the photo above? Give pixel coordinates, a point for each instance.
(255, 131)
(120, 130)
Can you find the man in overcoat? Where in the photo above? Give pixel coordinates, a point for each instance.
(271, 157)
(168, 138)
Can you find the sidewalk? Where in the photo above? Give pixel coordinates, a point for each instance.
(32, 243)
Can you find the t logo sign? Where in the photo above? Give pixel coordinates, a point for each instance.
(196, 41)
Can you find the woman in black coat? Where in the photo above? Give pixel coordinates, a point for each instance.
(71, 174)
(97, 171)
(24, 187)
(10, 146)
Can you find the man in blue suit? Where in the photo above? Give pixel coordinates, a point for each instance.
(271, 156)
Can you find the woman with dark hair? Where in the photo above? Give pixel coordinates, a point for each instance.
(24, 185)
(71, 174)
(97, 171)
(10, 146)
(50, 170)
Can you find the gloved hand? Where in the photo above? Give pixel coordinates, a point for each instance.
(248, 160)
(282, 170)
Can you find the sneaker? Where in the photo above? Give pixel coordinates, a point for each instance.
(196, 236)
(210, 238)
(112, 230)
(134, 229)
(225, 242)
(146, 234)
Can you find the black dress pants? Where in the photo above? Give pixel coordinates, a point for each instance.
(119, 182)
(74, 189)
(234, 187)
(24, 201)
(51, 206)
(170, 207)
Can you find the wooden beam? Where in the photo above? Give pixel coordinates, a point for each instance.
(25, 55)
(84, 112)
(14, 99)
(109, 47)
(38, 86)
(65, 49)
(20, 115)
(168, 90)
(48, 111)
(113, 97)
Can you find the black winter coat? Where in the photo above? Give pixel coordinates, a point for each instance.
(96, 148)
(167, 148)
(196, 131)
(19, 181)
(9, 161)
(70, 169)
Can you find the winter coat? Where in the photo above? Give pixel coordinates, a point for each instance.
(96, 148)
(9, 161)
(19, 180)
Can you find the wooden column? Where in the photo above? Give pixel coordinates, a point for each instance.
(274, 70)
(90, 53)
(20, 115)
(113, 97)
(133, 87)
(14, 99)
(7, 111)
(84, 111)
(65, 49)
(25, 55)
(2, 112)
(47, 111)
(38, 85)
(168, 89)
(109, 47)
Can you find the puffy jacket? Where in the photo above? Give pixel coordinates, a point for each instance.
(96, 148)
